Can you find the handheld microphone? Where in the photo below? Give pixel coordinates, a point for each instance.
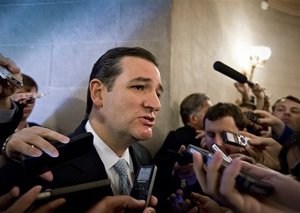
(231, 73)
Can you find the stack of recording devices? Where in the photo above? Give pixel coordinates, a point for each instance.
(244, 181)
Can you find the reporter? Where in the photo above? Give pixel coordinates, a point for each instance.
(223, 189)
(280, 131)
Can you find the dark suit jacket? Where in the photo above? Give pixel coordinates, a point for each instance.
(165, 161)
(86, 168)
(8, 128)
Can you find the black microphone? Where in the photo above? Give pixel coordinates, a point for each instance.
(231, 73)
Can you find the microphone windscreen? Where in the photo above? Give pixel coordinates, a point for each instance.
(231, 73)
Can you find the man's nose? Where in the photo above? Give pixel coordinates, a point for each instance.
(218, 140)
(152, 102)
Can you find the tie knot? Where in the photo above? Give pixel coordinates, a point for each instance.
(121, 167)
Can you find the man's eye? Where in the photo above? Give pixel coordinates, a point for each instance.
(280, 109)
(138, 87)
(158, 94)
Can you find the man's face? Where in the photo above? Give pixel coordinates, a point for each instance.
(130, 108)
(213, 131)
(289, 112)
(29, 105)
(196, 121)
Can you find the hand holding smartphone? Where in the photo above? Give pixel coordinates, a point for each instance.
(244, 181)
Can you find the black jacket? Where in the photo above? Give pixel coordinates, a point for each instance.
(8, 128)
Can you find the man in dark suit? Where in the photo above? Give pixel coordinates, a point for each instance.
(122, 104)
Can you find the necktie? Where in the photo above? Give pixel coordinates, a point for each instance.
(124, 185)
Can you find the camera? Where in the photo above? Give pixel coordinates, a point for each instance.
(234, 139)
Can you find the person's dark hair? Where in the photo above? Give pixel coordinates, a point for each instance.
(289, 97)
(29, 82)
(221, 110)
(191, 104)
(107, 68)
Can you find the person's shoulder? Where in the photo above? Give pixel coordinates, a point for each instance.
(142, 154)
(184, 131)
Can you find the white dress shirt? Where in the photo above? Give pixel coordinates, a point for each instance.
(109, 158)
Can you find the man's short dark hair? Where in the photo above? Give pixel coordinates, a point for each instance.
(107, 68)
(191, 104)
(221, 110)
(289, 97)
(29, 82)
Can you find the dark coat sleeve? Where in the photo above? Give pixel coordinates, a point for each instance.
(8, 128)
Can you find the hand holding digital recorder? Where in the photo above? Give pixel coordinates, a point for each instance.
(143, 183)
(78, 145)
(234, 139)
(244, 182)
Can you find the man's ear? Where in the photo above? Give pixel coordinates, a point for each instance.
(96, 89)
(193, 118)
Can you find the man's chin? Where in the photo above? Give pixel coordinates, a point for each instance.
(145, 135)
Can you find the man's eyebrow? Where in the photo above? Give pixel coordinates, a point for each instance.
(295, 108)
(143, 79)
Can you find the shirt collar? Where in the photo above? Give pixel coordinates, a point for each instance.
(108, 157)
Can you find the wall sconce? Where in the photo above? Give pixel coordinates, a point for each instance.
(258, 56)
(264, 5)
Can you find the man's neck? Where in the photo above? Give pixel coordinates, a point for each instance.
(114, 142)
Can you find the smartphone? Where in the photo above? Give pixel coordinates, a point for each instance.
(6, 75)
(143, 183)
(63, 191)
(79, 145)
(244, 182)
(234, 139)
(226, 158)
